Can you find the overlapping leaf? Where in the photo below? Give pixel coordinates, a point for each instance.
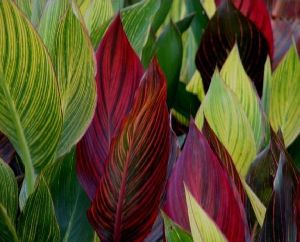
(201, 170)
(7, 151)
(74, 65)
(118, 75)
(128, 198)
(30, 109)
(7, 229)
(227, 27)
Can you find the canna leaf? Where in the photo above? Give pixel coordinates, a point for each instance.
(7, 151)
(37, 222)
(69, 200)
(30, 114)
(230, 25)
(284, 98)
(8, 191)
(161, 14)
(202, 172)
(202, 226)
(7, 229)
(238, 81)
(210, 7)
(128, 197)
(77, 86)
(118, 75)
(229, 122)
(174, 233)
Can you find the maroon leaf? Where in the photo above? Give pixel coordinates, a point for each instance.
(203, 173)
(128, 198)
(227, 27)
(281, 217)
(118, 74)
(7, 152)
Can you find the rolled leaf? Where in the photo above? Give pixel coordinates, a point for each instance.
(118, 75)
(30, 109)
(202, 172)
(128, 198)
(227, 27)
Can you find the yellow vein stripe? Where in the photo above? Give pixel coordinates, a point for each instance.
(30, 113)
(75, 68)
(285, 98)
(202, 226)
(137, 20)
(7, 229)
(227, 119)
(98, 12)
(237, 80)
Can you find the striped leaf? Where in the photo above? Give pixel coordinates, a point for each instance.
(118, 75)
(128, 198)
(284, 97)
(37, 222)
(174, 233)
(200, 169)
(238, 81)
(74, 65)
(7, 151)
(7, 229)
(30, 109)
(137, 20)
(229, 122)
(8, 190)
(202, 226)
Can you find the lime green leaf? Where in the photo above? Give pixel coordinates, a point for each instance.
(202, 226)
(37, 222)
(98, 12)
(237, 80)
(267, 86)
(209, 6)
(195, 86)
(173, 232)
(70, 201)
(285, 98)
(30, 110)
(8, 190)
(7, 229)
(258, 207)
(74, 65)
(25, 6)
(137, 20)
(38, 7)
(226, 117)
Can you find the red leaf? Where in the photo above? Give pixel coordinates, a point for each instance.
(128, 198)
(119, 71)
(201, 170)
(7, 151)
(227, 27)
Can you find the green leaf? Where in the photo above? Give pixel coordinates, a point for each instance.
(37, 222)
(209, 6)
(74, 65)
(98, 12)
(173, 232)
(169, 54)
(226, 117)
(7, 229)
(30, 109)
(25, 6)
(237, 80)
(8, 190)
(70, 201)
(117, 5)
(137, 20)
(195, 86)
(285, 98)
(202, 226)
(38, 7)
(161, 14)
(185, 23)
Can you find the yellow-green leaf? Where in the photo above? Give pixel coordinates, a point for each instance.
(74, 65)
(285, 98)
(202, 226)
(237, 80)
(30, 109)
(209, 6)
(195, 86)
(226, 117)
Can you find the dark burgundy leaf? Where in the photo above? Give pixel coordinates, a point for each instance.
(7, 151)
(118, 74)
(128, 198)
(202, 171)
(227, 27)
